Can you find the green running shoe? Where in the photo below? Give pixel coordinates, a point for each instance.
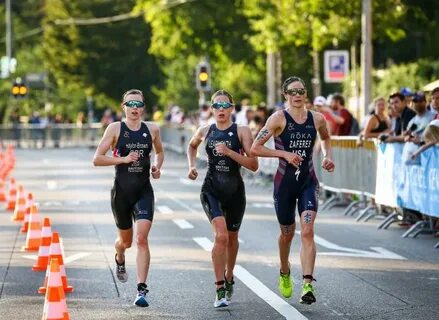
(220, 298)
(307, 294)
(229, 288)
(285, 285)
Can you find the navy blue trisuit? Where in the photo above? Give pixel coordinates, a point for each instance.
(292, 184)
(223, 192)
(132, 196)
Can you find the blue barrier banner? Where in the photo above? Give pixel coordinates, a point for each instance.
(409, 184)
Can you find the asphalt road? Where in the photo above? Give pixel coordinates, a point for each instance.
(361, 272)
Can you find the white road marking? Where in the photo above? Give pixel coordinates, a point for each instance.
(262, 291)
(165, 210)
(377, 253)
(183, 224)
(76, 256)
(52, 185)
(67, 260)
(204, 243)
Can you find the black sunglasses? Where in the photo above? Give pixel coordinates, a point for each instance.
(295, 92)
(224, 105)
(134, 104)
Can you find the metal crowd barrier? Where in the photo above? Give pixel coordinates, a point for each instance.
(51, 136)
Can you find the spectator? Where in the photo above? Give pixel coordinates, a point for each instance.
(241, 116)
(177, 115)
(321, 106)
(379, 122)
(430, 137)
(434, 105)
(107, 118)
(344, 120)
(420, 121)
(403, 115)
(204, 115)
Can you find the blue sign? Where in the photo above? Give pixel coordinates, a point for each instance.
(336, 65)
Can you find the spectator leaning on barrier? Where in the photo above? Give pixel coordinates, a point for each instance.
(430, 137)
(379, 122)
(434, 105)
(403, 116)
(420, 121)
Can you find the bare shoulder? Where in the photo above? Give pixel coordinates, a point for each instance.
(152, 127)
(202, 131)
(318, 118)
(113, 128)
(243, 129)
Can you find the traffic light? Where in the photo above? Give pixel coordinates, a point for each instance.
(203, 76)
(19, 89)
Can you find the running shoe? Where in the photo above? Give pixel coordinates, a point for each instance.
(220, 299)
(121, 271)
(229, 288)
(141, 299)
(307, 294)
(285, 285)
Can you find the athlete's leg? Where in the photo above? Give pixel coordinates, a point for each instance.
(307, 205)
(308, 247)
(143, 227)
(123, 242)
(232, 252)
(219, 250)
(284, 242)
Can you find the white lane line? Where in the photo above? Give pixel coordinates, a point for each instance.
(183, 224)
(165, 210)
(181, 203)
(76, 256)
(276, 302)
(204, 243)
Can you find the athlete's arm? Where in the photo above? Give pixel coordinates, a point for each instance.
(245, 137)
(273, 125)
(325, 142)
(192, 151)
(158, 150)
(109, 139)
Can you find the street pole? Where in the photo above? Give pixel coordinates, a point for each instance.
(271, 80)
(316, 83)
(366, 54)
(8, 33)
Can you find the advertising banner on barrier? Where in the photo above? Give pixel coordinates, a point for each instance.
(413, 185)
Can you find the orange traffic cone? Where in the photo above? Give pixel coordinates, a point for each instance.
(29, 203)
(20, 205)
(57, 253)
(12, 197)
(55, 306)
(33, 237)
(2, 189)
(44, 250)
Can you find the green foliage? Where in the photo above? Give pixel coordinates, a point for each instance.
(411, 75)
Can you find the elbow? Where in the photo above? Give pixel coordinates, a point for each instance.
(254, 151)
(95, 162)
(255, 166)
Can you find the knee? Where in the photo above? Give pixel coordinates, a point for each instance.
(221, 239)
(125, 243)
(286, 238)
(307, 234)
(141, 241)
